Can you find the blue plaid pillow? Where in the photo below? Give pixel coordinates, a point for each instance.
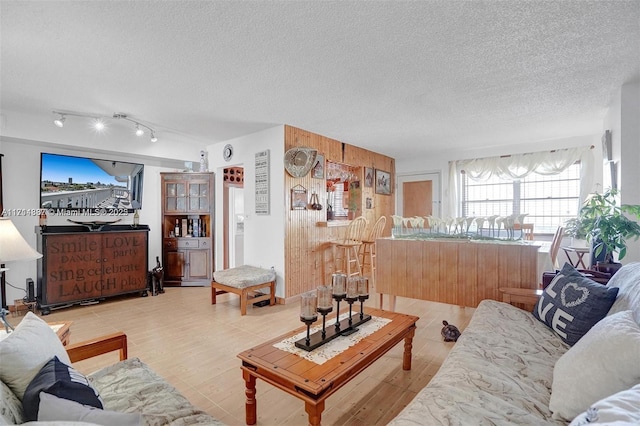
(58, 379)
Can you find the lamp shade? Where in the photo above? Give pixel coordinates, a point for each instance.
(13, 246)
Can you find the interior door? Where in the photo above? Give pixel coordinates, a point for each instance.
(236, 227)
(417, 198)
(419, 194)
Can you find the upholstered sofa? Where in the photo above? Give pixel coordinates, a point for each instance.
(508, 367)
(130, 392)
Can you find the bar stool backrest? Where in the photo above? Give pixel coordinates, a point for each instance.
(555, 244)
(355, 230)
(378, 228)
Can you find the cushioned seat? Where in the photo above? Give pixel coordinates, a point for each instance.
(243, 280)
(130, 386)
(244, 276)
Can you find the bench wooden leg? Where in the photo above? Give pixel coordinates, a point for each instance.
(244, 297)
(213, 295)
(272, 288)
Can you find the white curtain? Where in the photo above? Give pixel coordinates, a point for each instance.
(518, 166)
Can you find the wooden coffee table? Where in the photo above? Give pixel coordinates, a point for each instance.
(314, 383)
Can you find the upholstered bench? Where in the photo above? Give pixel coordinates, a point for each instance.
(243, 281)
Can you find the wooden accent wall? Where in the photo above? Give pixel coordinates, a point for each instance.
(306, 251)
(458, 273)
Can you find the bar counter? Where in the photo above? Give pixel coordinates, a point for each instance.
(455, 271)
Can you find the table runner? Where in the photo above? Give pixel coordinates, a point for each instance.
(338, 345)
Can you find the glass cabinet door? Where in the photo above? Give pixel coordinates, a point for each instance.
(176, 197)
(199, 197)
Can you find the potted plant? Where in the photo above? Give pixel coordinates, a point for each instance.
(330, 198)
(607, 227)
(575, 229)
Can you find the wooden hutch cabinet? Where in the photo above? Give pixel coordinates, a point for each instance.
(80, 265)
(187, 228)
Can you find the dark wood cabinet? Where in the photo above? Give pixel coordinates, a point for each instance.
(187, 228)
(80, 265)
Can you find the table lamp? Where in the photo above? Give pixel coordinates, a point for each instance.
(13, 247)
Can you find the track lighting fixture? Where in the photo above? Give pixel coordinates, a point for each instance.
(99, 121)
(59, 121)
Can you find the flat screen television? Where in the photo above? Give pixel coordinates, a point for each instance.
(89, 185)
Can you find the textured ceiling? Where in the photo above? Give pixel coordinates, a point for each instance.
(393, 77)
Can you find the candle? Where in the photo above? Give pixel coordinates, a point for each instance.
(352, 287)
(308, 306)
(339, 284)
(363, 286)
(324, 298)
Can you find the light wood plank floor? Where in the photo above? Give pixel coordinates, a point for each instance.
(194, 344)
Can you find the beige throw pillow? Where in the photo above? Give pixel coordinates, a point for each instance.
(26, 350)
(605, 361)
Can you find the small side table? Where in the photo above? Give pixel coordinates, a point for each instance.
(22, 307)
(580, 252)
(526, 296)
(63, 330)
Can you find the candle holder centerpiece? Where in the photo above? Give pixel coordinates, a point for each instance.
(351, 290)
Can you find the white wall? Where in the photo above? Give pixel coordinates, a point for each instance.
(439, 162)
(630, 143)
(623, 119)
(263, 234)
(21, 185)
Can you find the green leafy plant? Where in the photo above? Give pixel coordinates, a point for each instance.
(575, 228)
(606, 225)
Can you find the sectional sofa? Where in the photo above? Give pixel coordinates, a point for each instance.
(509, 367)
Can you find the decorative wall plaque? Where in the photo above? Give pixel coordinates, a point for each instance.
(262, 195)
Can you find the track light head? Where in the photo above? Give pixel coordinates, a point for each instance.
(153, 137)
(60, 121)
(139, 131)
(98, 124)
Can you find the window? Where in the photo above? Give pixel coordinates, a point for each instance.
(549, 200)
(339, 198)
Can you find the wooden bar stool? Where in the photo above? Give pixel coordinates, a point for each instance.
(368, 248)
(368, 251)
(349, 261)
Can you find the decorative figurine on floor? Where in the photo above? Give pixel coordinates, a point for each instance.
(450, 332)
(157, 278)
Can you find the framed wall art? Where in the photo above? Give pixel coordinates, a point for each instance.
(317, 171)
(368, 177)
(383, 182)
(298, 198)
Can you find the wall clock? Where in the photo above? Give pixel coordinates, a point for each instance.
(299, 160)
(227, 152)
